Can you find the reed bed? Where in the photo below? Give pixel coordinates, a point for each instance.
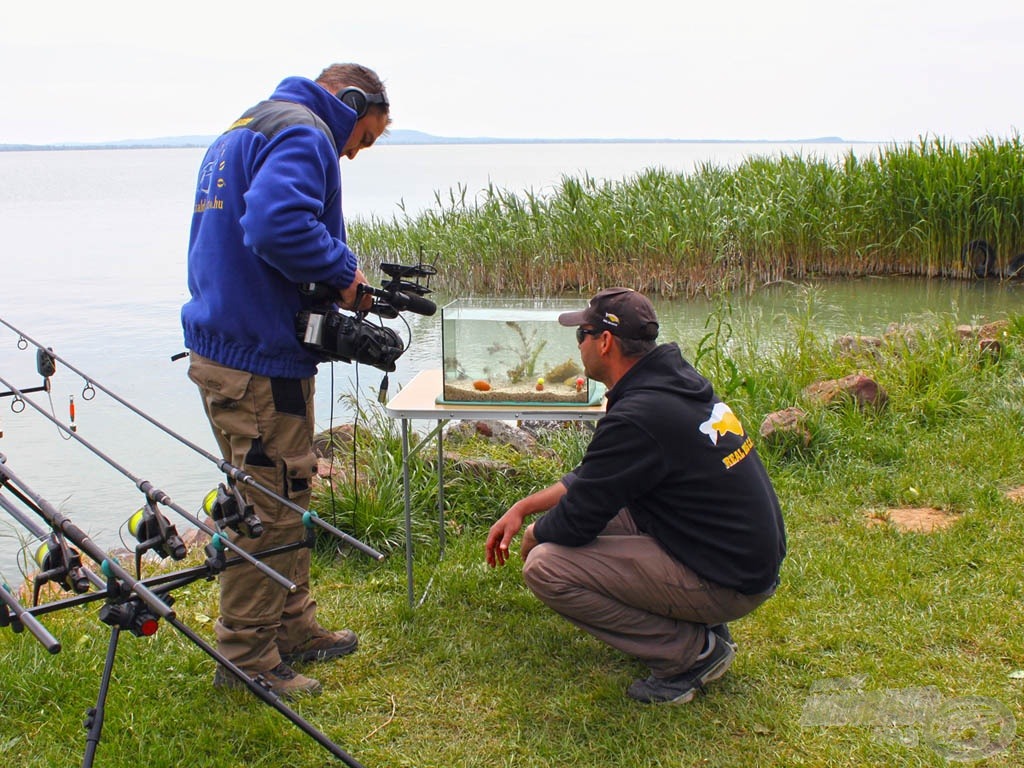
(902, 210)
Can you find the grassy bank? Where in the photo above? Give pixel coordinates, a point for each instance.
(907, 209)
(483, 675)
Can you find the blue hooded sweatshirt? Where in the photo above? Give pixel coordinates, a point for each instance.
(268, 219)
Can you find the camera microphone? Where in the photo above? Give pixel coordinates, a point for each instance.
(393, 301)
(411, 302)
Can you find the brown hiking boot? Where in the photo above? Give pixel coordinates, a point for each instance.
(322, 646)
(282, 680)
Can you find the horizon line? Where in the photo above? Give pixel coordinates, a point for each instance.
(414, 137)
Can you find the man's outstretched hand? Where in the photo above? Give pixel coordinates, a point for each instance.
(499, 538)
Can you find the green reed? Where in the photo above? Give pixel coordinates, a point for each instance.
(904, 209)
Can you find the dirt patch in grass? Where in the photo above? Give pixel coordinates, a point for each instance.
(1016, 494)
(914, 519)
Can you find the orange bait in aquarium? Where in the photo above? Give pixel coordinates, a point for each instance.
(481, 386)
(579, 384)
(540, 385)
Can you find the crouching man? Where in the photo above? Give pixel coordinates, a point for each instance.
(669, 528)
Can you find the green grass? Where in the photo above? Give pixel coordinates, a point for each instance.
(482, 674)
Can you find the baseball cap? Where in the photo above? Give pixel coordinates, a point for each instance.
(623, 311)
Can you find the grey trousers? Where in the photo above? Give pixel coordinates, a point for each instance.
(265, 427)
(628, 592)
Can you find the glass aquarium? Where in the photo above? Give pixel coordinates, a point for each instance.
(512, 351)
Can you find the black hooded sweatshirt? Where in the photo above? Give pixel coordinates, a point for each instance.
(679, 459)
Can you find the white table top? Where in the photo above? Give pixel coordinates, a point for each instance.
(418, 400)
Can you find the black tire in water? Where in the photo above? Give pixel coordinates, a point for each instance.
(979, 257)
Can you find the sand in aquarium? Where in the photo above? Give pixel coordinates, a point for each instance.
(463, 391)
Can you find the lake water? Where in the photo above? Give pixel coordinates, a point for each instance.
(94, 268)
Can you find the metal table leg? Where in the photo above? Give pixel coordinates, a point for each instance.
(406, 455)
(408, 510)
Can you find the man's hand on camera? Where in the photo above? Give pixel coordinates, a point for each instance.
(351, 298)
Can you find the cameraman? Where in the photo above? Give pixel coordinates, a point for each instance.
(668, 528)
(267, 219)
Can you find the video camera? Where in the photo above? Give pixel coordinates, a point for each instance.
(335, 335)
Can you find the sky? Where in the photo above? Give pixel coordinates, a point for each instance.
(716, 69)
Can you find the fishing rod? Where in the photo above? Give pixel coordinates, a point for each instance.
(62, 564)
(266, 695)
(108, 564)
(57, 561)
(234, 473)
(23, 619)
(156, 496)
(121, 611)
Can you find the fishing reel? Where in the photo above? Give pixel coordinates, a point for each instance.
(335, 335)
(154, 531)
(228, 509)
(60, 564)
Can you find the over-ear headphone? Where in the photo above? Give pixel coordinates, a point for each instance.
(359, 99)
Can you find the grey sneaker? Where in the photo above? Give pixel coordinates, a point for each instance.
(282, 680)
(322, 647)
(681, 688)
(722, 630)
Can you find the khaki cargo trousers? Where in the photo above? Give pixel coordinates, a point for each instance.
(263, 426)
(628, 592)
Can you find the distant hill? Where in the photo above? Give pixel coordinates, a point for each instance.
(418, 137)
(401, 136)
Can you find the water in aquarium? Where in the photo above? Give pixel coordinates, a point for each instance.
(512, 351)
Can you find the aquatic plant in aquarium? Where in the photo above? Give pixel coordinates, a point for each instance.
(512, 351)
